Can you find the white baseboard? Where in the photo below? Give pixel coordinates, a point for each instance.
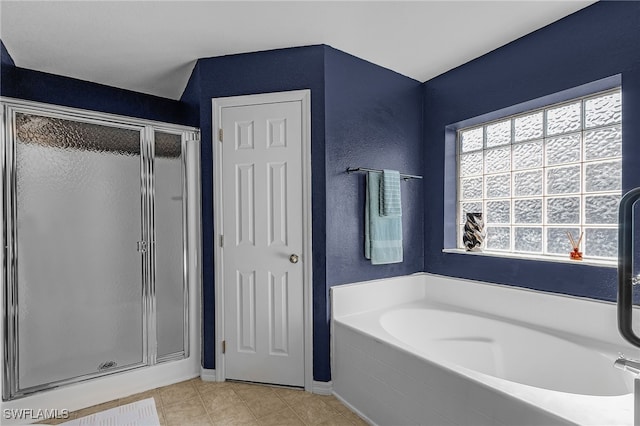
(208, 374)
(322, 388)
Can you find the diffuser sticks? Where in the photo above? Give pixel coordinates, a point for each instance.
(575, 254)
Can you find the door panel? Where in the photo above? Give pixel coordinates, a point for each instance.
(262, 216)
(78, 273)
(169, 244)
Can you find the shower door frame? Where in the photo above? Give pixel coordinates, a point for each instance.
(147, 128)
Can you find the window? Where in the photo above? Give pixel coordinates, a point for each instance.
(537, 175)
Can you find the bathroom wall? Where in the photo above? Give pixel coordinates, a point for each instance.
(599, 41)
(22, 83)
(259, 72)
(7, 67)
(373, 118)
(361, 113)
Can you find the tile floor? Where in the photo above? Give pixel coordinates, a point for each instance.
(198, 403)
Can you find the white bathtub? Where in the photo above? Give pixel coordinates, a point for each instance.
(426, 349)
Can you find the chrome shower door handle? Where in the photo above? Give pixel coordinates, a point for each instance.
(142, 246)
(625, 266)
(293, 258)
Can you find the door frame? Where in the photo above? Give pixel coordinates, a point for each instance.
(304, 97)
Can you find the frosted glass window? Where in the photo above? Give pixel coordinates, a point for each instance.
(563, 119)
(564, 149)
(498, 160)
(604, 176)
(498, 212)
(601, 242)
(603, 143)
(528, 239)
(528, 127)
(540, 174)
(471, 140)
(499, 133)
(603, 110)
(498, 237)
(527, 155)
(471, 164)
(602, 209)
(499, 186)
(557, 239)
(471, 188)
(563, 180)
(528, 183)
(469, 208)
(563, 210)
(528, 210)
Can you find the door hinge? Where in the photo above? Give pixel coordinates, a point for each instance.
(221, 240)
(224, 346)
(220, 134)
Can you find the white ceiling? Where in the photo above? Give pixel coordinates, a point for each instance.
(152, 46)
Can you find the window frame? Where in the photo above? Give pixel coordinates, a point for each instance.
(581, 94)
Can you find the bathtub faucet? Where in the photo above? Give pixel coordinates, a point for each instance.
(626, 364)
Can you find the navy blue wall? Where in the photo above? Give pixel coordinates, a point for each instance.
(360, 113)
(260, 72)
(22, 83)
(5, 57)
(597, 42)
(373, 118)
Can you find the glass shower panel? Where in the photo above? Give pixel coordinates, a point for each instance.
(170, 256)
(79, 275)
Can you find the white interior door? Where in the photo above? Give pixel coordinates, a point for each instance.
(262, 226)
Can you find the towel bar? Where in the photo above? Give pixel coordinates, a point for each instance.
(365, 169)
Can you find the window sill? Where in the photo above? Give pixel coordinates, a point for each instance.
(558, 259)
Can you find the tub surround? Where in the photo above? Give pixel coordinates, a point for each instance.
(387, 377)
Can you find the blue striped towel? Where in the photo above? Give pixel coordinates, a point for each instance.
(390, 202)
(382, 234)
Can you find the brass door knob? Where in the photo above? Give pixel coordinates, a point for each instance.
(293, 258)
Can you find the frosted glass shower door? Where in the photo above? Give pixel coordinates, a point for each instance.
(79, 274)
(171, 297)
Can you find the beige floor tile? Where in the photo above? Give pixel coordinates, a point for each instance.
(163, 421)
(262, 404)
(337, 420)
(199, 421)
(203, 387)
(334, 403)
(237, 422)
(354, 418)
(247, 392)
(198, 403)
(177, 392)
(284, 417)
(232, 412)
(291, 396)
(313, 411)
(214, 399)
(182, 412)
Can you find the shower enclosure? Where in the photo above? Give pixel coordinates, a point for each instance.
(98, 236)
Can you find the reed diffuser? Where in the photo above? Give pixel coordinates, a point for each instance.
(575, 254)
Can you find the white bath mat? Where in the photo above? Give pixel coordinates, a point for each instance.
(139, 413)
